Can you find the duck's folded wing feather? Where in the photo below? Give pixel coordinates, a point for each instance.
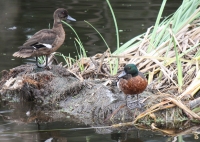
(43, 38)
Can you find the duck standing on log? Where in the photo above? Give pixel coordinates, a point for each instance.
(45, 41)
(131, 81)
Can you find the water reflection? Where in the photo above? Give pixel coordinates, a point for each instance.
(44, 125)
(122, 137)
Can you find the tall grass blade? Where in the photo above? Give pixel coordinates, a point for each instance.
(127, 45)
(82, 52)
(73, 31)
(156, 26)
(98, 33)
(115, 22)
(179, 67)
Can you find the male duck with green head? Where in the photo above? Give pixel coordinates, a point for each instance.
(131, 81)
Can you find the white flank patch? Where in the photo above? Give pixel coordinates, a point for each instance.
(34, 47)
(47, 45)
(49, 140)
(28, 113)
(118, 85)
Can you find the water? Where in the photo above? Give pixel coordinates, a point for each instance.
(21, 18)
(64, 130)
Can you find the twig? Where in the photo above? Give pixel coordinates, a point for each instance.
(80, 78)
(183, 107)
(101, 62)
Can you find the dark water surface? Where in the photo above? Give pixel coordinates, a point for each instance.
(20, 19)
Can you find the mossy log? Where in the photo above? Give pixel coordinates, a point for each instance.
(90, 100)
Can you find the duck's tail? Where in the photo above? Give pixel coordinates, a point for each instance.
(24, 52)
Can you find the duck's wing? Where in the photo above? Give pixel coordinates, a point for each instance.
(43, 38)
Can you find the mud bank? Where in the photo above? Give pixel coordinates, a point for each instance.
(90, 100)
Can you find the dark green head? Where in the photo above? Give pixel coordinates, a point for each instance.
(131, 69)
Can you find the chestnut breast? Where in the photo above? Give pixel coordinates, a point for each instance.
(133, 85)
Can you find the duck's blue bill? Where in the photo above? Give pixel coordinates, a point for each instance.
(122, 74)
(70, 18)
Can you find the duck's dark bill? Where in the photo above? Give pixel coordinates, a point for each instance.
(122, 74)
(70, 18)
